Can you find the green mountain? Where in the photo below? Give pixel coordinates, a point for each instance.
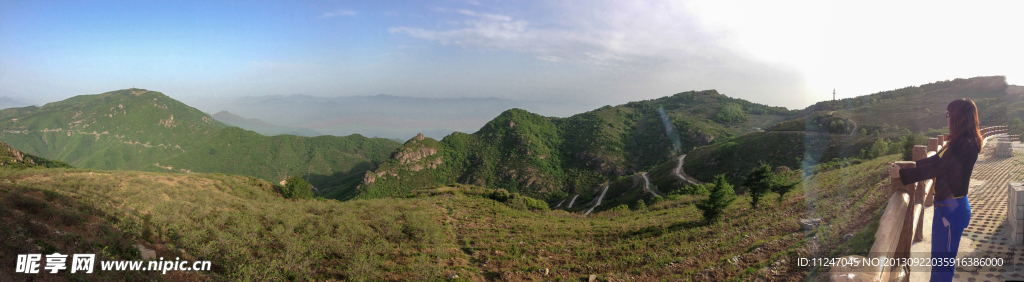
(842, 129)
(137, 129)
(551, 158)
(127, 129)
(334, 165)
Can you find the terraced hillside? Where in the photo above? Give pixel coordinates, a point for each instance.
(137, 129)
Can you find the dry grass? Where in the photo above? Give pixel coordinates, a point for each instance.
(250, 233)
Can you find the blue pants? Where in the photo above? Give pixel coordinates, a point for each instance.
(946, 233)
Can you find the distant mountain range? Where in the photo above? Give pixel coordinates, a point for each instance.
(138, 129)
(382, 115)
(262, 127)
(8, 102)
(545, 157)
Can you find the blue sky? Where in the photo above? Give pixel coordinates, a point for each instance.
(589, 53)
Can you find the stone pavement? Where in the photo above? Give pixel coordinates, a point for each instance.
(985, 237)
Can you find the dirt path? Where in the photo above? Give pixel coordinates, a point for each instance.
(681, 175)
(560, 204)
(854, 132)
(573, 201)
(598, 200)
(647, 184)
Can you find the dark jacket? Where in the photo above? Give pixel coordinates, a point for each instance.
(951, 168)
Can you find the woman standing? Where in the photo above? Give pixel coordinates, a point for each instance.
(951, 168)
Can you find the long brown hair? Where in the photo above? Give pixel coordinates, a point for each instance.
(963, 117)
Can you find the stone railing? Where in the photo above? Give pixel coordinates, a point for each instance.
(903, 221)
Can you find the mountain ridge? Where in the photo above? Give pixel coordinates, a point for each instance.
(138, 129)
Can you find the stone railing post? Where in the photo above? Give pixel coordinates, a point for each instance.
(945, 137)
(933, 144)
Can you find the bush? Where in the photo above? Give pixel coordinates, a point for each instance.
(719, 199)
(731, 113)
(640, 205)
(297, 188)
(500, 195)
(526, 203)
(656, 199)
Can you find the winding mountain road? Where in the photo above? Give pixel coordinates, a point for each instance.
(681, 175)
(647, 184)
(598, 200)
(573, 201)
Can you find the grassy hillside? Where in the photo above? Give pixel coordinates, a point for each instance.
(137, 129)
(852, 125)
(919, 108)
(334, 165)
(552, 158)
(249, 232)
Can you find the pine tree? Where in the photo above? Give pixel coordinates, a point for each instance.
(781, 183)
(757, 183)
(719, 199)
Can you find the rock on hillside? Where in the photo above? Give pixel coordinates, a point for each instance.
(10, 157)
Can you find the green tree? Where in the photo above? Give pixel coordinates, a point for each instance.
(297, 188)
(719, 199)
(781, 182)
(863, 132)
(731, 113)
(757, 183)
(878, 149)
(908, 146)
(640, 205)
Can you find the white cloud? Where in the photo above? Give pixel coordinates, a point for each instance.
(645, 49)
(338, 13)
(605, 36)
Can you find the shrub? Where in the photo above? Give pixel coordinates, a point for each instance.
(526, 203)
(656, 199)
(719, 199)
(731, 113)
(500, 195)
(640, 205)
(297, 188)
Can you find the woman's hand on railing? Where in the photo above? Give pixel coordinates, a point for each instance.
(894, 170)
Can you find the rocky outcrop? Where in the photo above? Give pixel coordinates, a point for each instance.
(14, 156)
(697, 135)
(406, 155)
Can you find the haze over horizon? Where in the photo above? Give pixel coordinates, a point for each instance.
(610, 52)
